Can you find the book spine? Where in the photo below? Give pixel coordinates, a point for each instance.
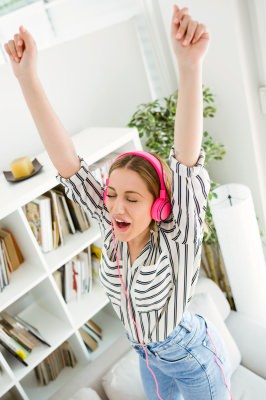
(11, 351)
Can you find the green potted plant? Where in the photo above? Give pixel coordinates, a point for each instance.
(155, 124)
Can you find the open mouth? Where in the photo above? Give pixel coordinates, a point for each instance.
(122, 225)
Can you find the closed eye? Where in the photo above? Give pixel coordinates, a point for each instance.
(130, 200)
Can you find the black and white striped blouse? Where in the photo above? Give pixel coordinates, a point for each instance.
(161, 281)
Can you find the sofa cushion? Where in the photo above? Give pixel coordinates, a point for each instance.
(85, 393)
(123, 381)
(207, 285)
(245, 385)
(250, 336)
(203, 304)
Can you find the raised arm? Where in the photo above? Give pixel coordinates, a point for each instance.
(22, 51)
(190, 41)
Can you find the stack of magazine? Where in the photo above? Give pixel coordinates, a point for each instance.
(53, 216)
(49, 369)
(19, 337)
(10, 257)
(91, 334)
(74, 279)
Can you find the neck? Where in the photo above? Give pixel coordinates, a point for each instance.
(140, 240)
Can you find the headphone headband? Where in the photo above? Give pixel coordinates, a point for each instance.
(161, 207)
(154, 162)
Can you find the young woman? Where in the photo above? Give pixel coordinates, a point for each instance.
(151, 219)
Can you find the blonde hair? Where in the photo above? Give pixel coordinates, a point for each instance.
(147, 172)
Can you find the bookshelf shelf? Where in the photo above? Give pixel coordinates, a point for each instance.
(6, 383)
(72, 246)
(35, 391)
(43, 321)
(32, 292)
(88, 306)
(22, 280)
(6, 377)
(112, 329)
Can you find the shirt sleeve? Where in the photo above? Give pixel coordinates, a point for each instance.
(85, 190)
(190, 188)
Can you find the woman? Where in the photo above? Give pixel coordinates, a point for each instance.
(151, 219)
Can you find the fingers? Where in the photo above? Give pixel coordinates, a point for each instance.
(178, 14)
(11, 50)
(184, 28)
(201, 30)
(15, 47)
(22, 41)
(18, 44)
(27, 38)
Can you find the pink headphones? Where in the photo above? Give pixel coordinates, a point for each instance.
(161, 207)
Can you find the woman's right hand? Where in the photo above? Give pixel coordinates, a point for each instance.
(22, 51)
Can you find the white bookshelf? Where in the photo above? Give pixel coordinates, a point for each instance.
(33, 293)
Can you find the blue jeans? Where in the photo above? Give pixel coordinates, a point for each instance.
(185, 364)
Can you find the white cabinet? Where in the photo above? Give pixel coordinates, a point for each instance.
(32, 292)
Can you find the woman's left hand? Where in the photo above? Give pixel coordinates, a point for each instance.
(190, 39)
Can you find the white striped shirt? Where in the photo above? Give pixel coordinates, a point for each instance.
(162, 279)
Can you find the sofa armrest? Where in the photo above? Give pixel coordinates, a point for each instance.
(250, 337)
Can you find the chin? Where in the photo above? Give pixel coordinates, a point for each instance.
(123, 236)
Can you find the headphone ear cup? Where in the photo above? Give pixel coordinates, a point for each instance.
(161, 209)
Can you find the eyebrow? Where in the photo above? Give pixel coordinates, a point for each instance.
(128, 191)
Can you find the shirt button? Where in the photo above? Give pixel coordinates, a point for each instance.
(204, 343)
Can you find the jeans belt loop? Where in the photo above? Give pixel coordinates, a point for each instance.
(185, 326)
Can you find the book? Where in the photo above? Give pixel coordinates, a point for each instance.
(12, 346)
(33, 215)
(30, 328)
(6, 258)
(49, 369)
(3, 267)
(77, 216)
(13, 250)
(91, 333)
(2, 285)
(72, 280)
(13, 352)
(58, 280)
(86, 271)
(55, 200)
(91, 344)
(61, 192)
(85, 219)
(44, 204)
(55, 220)
(62, 216)
(18, 332)
(95, 327)
(39, 216)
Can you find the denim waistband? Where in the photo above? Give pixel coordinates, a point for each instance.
(185, 322)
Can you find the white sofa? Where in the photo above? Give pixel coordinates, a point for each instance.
(245, 340)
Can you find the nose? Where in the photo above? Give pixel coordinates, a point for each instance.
(118, 206)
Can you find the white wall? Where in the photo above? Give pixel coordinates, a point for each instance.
(231, 72)
(93, 80)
